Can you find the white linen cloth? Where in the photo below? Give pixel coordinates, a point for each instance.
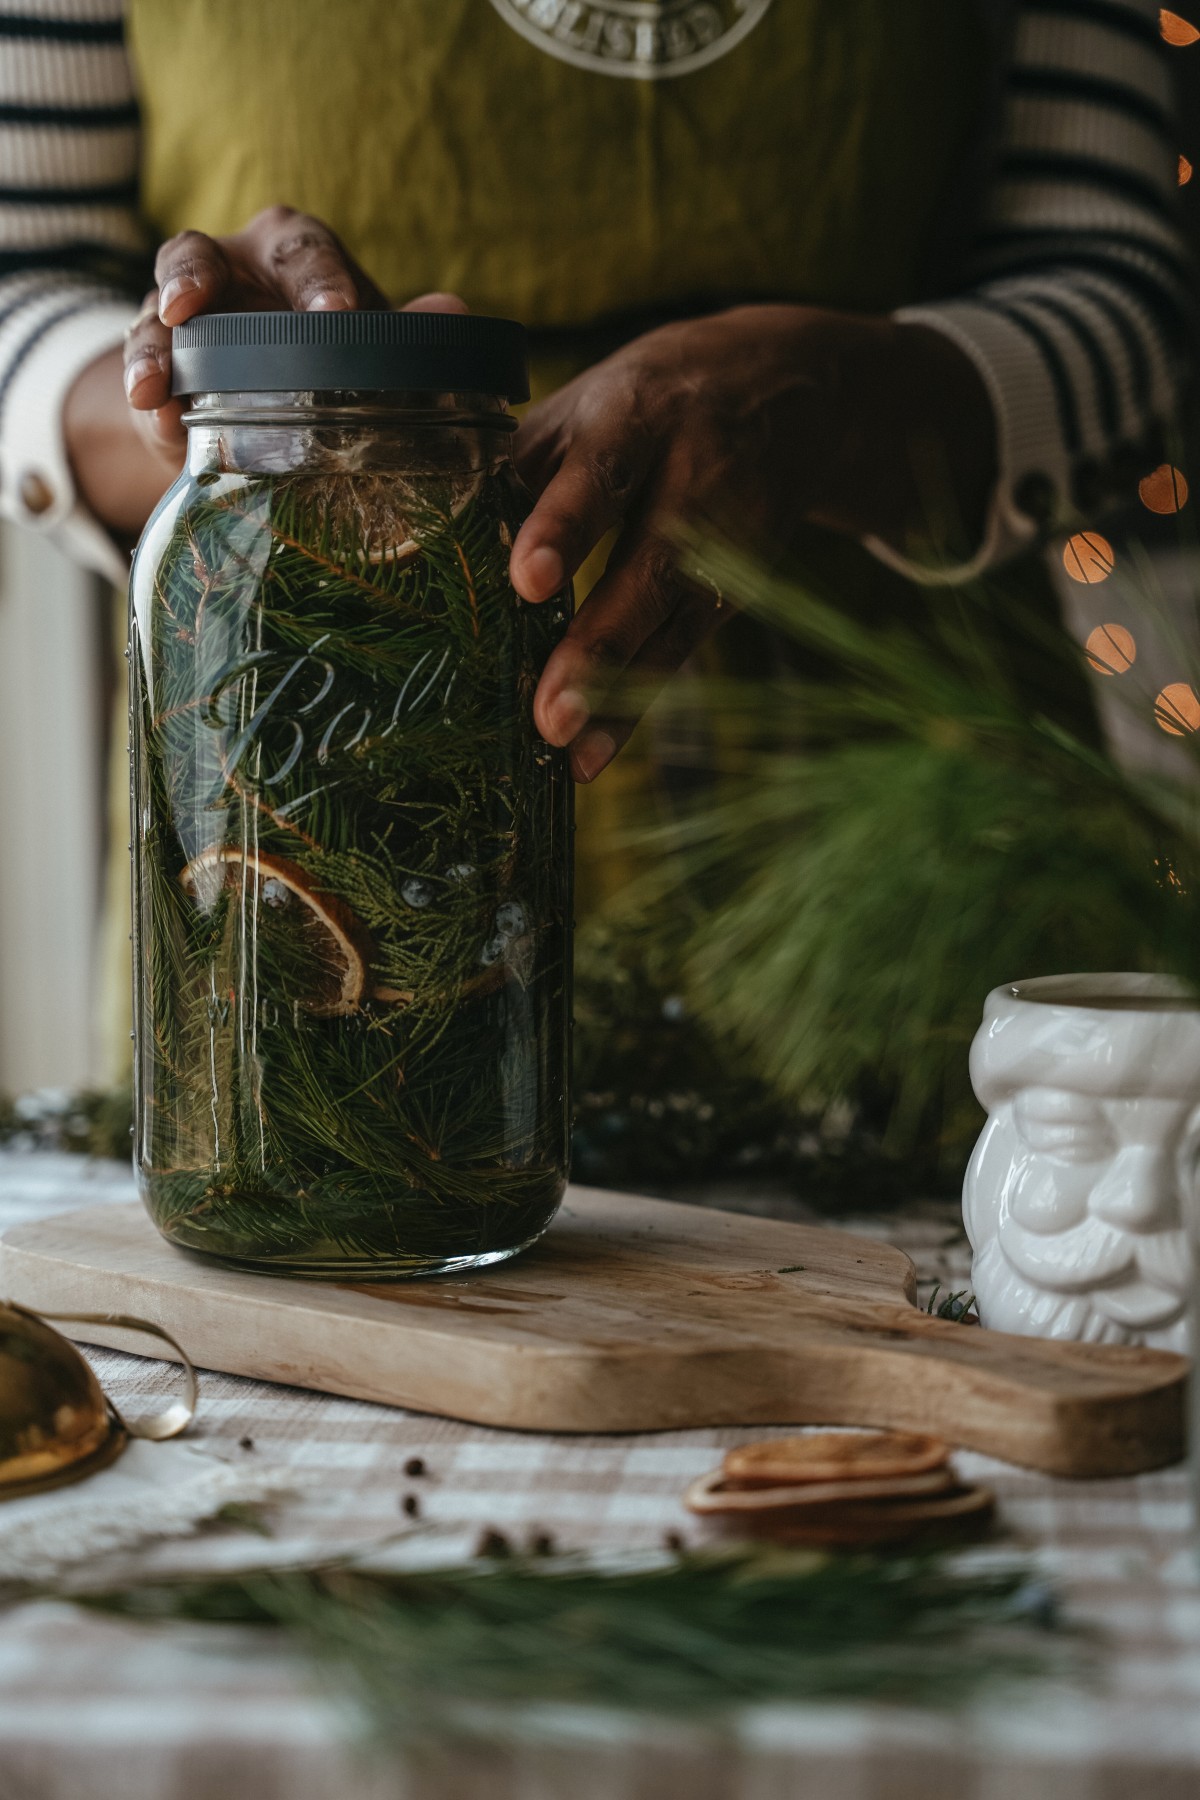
(152, 1490)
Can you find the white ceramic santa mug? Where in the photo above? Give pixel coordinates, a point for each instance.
(1078, 1195)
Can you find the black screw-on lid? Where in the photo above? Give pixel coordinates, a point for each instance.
(263, 352)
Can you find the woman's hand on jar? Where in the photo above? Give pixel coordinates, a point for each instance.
(123, 429)
(282, 261)
(752, 420)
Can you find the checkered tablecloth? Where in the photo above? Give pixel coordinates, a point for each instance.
(92, 1708)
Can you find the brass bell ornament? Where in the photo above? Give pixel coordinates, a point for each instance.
(56, 1423)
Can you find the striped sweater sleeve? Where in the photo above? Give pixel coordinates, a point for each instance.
(1079, 314)
(71, 249)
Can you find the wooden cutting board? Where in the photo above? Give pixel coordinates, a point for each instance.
(630, 1315)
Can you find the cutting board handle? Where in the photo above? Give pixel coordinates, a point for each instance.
(1070, 1409)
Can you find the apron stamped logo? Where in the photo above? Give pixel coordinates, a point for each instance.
(646, 39)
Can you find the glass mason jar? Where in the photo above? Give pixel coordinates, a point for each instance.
(351, 847)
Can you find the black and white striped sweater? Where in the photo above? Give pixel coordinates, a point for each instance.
(1076, 309)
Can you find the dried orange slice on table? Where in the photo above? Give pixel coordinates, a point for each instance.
(717, 1496)
(835, 1456)
(842, 1490)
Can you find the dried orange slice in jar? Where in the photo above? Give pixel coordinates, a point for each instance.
(382, 518)
(321, 951)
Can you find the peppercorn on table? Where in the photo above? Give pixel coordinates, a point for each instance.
(99, 1706)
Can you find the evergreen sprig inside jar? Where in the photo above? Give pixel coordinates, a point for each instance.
(352, 850)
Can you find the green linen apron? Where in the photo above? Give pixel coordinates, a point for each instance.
(452, 150)
(514, 151)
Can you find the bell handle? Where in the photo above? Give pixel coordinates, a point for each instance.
(175, 1418)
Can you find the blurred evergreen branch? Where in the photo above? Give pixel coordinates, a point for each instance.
(695, 1634)
(887, 843)
(90, 1122)
(667, 1098)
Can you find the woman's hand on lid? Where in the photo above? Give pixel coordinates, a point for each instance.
(282, 261)
(123, 429)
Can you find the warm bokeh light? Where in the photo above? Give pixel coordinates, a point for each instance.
(1177, 31)
(1088, 557)
(1185, 170)
(1177, 709)
(1111, 649)
(1164, 490)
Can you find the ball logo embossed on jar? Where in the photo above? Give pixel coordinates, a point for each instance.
(303, 708)
(648, 40)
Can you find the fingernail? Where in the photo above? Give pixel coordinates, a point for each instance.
(139, 371)
(593, 754)
(174, 290)
(544, 573)
(330, 300)
(569, 715)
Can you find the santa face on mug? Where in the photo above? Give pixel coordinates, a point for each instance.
(1075, 1196)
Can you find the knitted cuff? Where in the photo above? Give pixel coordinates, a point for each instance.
(1032, 493)
(37, 488)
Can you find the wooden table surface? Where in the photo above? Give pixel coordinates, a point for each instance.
(91, 1708)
